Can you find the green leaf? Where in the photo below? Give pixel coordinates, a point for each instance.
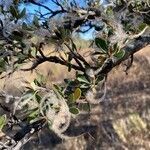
(74, 48)
(26, 27)
(34, 113)
(84, 86)
(101, 43)
(33, 52)
(69, 67)
(2, 62)
(34, 120)
(77, 94)
(14, 11)
(2, 65)
(85, 107)
(67, 81)
(28, 95)
(71, 98)
(23, 13)
(110, 32)
(120, 54)
(38, 98)
(59, 89)
(82, 78)
(142, 26)
(36, 82)
(74, 110)
(109, 11)
(115, 48)
(1, 9)
(36, 21)
(21, 56)
(2, 121)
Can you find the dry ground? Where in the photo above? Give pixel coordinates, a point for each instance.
(122, 122)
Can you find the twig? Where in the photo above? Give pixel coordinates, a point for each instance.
(3, 146)
(77, 55)
(41, 5)
(128, 66)
(34, 127)
(57, 3)
(57, 12)
(54, 59)
(139, 34)
(136, 45)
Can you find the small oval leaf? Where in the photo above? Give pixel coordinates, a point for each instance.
(85, 107)
(23, 13)
(71, 98)
(120, 54)
(14, 11)
(33, 52)
(2, 121)
(82, 78)
(101, 43)
(77, 94)
(36, 21)
(74, 110)
(142, 26)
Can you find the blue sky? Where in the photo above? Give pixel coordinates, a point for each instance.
(32, 9)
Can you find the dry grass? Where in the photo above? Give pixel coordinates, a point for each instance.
(121, 122)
